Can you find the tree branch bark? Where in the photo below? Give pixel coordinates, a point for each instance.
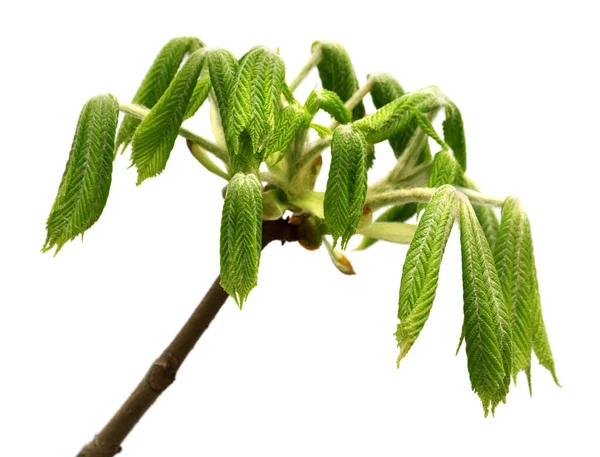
(162, 373)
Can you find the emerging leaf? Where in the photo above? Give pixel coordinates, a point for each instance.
(398, 213)
(156, 81)
(443, 171)
(241, 236)
(255, 98)
(291, 120)
(347, 183)
(222, 68)
(421, 268)
(199, 96)
(513, 255)
(155, 137)
(337, 74)
(454, 134)
(85, 184)
(398, 116)
(486, 324)
(329, 102)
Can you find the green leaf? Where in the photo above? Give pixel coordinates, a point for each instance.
(156, 81)
(321, 130)
(486, 324)
(155, 137)
(398, 116)
(454, 134)
(291, 120)
(337, 73)
(347, 183)
(421, 268)
(513, 255)
(541, 345)
(222, 67)
(255, 98)
(199, 96)
(329, 102)
(443, 171)
(85, 184)
(485, 215)
(398, 213)
(241, 236)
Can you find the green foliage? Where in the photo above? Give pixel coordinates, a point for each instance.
(222, 68)
(293, 117)
(199, 96)
(337, 73)
(256, 120)
(421, 268)
(156, 81)
(346, 184)
(486, 326)
(241, 236)
(155, 137)
(329, 102)
(454, 134)
(85, 184)
(399, 115)
(397, 213)
(255, 98)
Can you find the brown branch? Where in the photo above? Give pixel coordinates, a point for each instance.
(162, 373)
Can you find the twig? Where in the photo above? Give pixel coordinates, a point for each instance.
(162, 373)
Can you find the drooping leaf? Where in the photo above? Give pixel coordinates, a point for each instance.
(486, 324)
(398, 115)
(513, 255)
(337, 73)
(454, 134)
(241, 236)
(329, 102)
(420, 272)
(156, 81)
(291, 120)
(347, 183)
(540, 342)
(485, 215)
(85, 184)
(443, 171)
(199, 96)
(398, 213)
(155, 137)
(255, 98)
(222, 68)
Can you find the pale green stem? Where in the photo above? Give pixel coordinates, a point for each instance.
(376, 200)
(314, 60)
(140, 112)
(275, 179)
(201, 156)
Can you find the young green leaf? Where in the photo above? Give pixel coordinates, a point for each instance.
(291, 120)
(321, 130)
(347, 183)
(329, 102)
(255, 98)
(541, 345)
(513, 255)
(486, 324)
(156, 81)
(398, 115)
(85, 184)
(454, 134)
(421, 268)
(241, 236)
(398, 213)
(443, 171)
(337, 73)
(199, 96)
(155, 137)
(222, 68)
(485, 215)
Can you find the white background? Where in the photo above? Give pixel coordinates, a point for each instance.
(308, 367)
